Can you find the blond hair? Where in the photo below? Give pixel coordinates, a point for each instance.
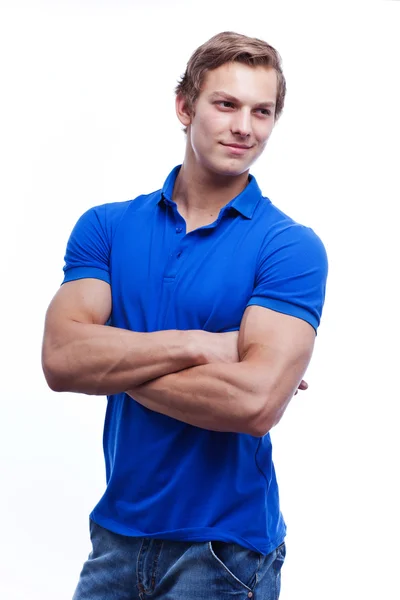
(229, 47)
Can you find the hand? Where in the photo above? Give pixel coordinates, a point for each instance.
(303, 385)
(220, 347)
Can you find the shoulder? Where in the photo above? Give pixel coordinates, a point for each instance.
(292, 268)
(287, 237)
(105, 218)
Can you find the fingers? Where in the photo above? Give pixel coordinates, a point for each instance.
(303, 385)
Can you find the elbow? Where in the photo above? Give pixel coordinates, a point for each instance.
(55, 378)
(55, 384)
(262, 418)
(261, 427)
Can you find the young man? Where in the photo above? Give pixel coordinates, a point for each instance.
(213, 296)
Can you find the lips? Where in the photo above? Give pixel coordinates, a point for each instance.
(236, 149)
(241, 146)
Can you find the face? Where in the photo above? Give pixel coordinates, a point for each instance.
(233, 118)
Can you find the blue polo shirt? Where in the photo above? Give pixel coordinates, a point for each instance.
(167, 479)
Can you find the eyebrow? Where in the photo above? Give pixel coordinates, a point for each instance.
(220, 94)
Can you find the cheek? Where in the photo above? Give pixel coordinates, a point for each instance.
(211, 124)
(263, 132)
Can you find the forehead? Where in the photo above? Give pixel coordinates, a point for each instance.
(255, 84)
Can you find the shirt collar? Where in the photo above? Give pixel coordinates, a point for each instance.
(245, 203)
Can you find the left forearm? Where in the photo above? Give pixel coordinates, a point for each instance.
(219, 397)
(249, 396)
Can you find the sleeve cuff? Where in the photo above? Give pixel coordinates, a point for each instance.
(86, 273)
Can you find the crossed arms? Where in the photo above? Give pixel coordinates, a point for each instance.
(223, 382)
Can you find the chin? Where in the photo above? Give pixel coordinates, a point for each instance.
(229, 169)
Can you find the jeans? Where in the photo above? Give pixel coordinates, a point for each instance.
(128, 568)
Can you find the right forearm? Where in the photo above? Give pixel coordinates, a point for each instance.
(96, 359)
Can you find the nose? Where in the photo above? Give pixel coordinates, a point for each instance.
(242, 123)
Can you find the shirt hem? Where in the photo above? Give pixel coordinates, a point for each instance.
(196, 534)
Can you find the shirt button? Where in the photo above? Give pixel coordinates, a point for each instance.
(250, 595)
(179, 230)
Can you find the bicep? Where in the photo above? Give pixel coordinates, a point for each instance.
(81, 301)
(277, 349)
(275, 332)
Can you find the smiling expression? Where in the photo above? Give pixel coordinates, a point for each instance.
(233, 118)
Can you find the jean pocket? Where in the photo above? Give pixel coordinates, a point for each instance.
(280, 554)
(239, 564)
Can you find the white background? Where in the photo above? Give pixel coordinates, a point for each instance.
(87, 116)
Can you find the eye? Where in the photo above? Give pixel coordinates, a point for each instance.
(265, 112)
(225, 104)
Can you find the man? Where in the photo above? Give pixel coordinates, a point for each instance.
(194, 309)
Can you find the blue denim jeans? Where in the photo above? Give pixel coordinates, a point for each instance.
(128, 568)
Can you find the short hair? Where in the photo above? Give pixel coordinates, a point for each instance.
(228, 47)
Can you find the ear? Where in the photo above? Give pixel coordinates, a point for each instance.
(182, 110)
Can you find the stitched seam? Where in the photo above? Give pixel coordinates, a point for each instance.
(139, 568)
(258, 466)
(226, 568)
(155, 567)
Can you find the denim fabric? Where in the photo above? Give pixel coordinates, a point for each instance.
(128, 568)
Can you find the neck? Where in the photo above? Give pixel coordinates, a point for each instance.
(199, 190)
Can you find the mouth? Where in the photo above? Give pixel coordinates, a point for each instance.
(233, 145)
(236, 148)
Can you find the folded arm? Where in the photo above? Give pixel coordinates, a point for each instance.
(249, 396)
(81, 354)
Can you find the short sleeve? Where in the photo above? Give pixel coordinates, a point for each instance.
(88, 248)
(292, 273)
